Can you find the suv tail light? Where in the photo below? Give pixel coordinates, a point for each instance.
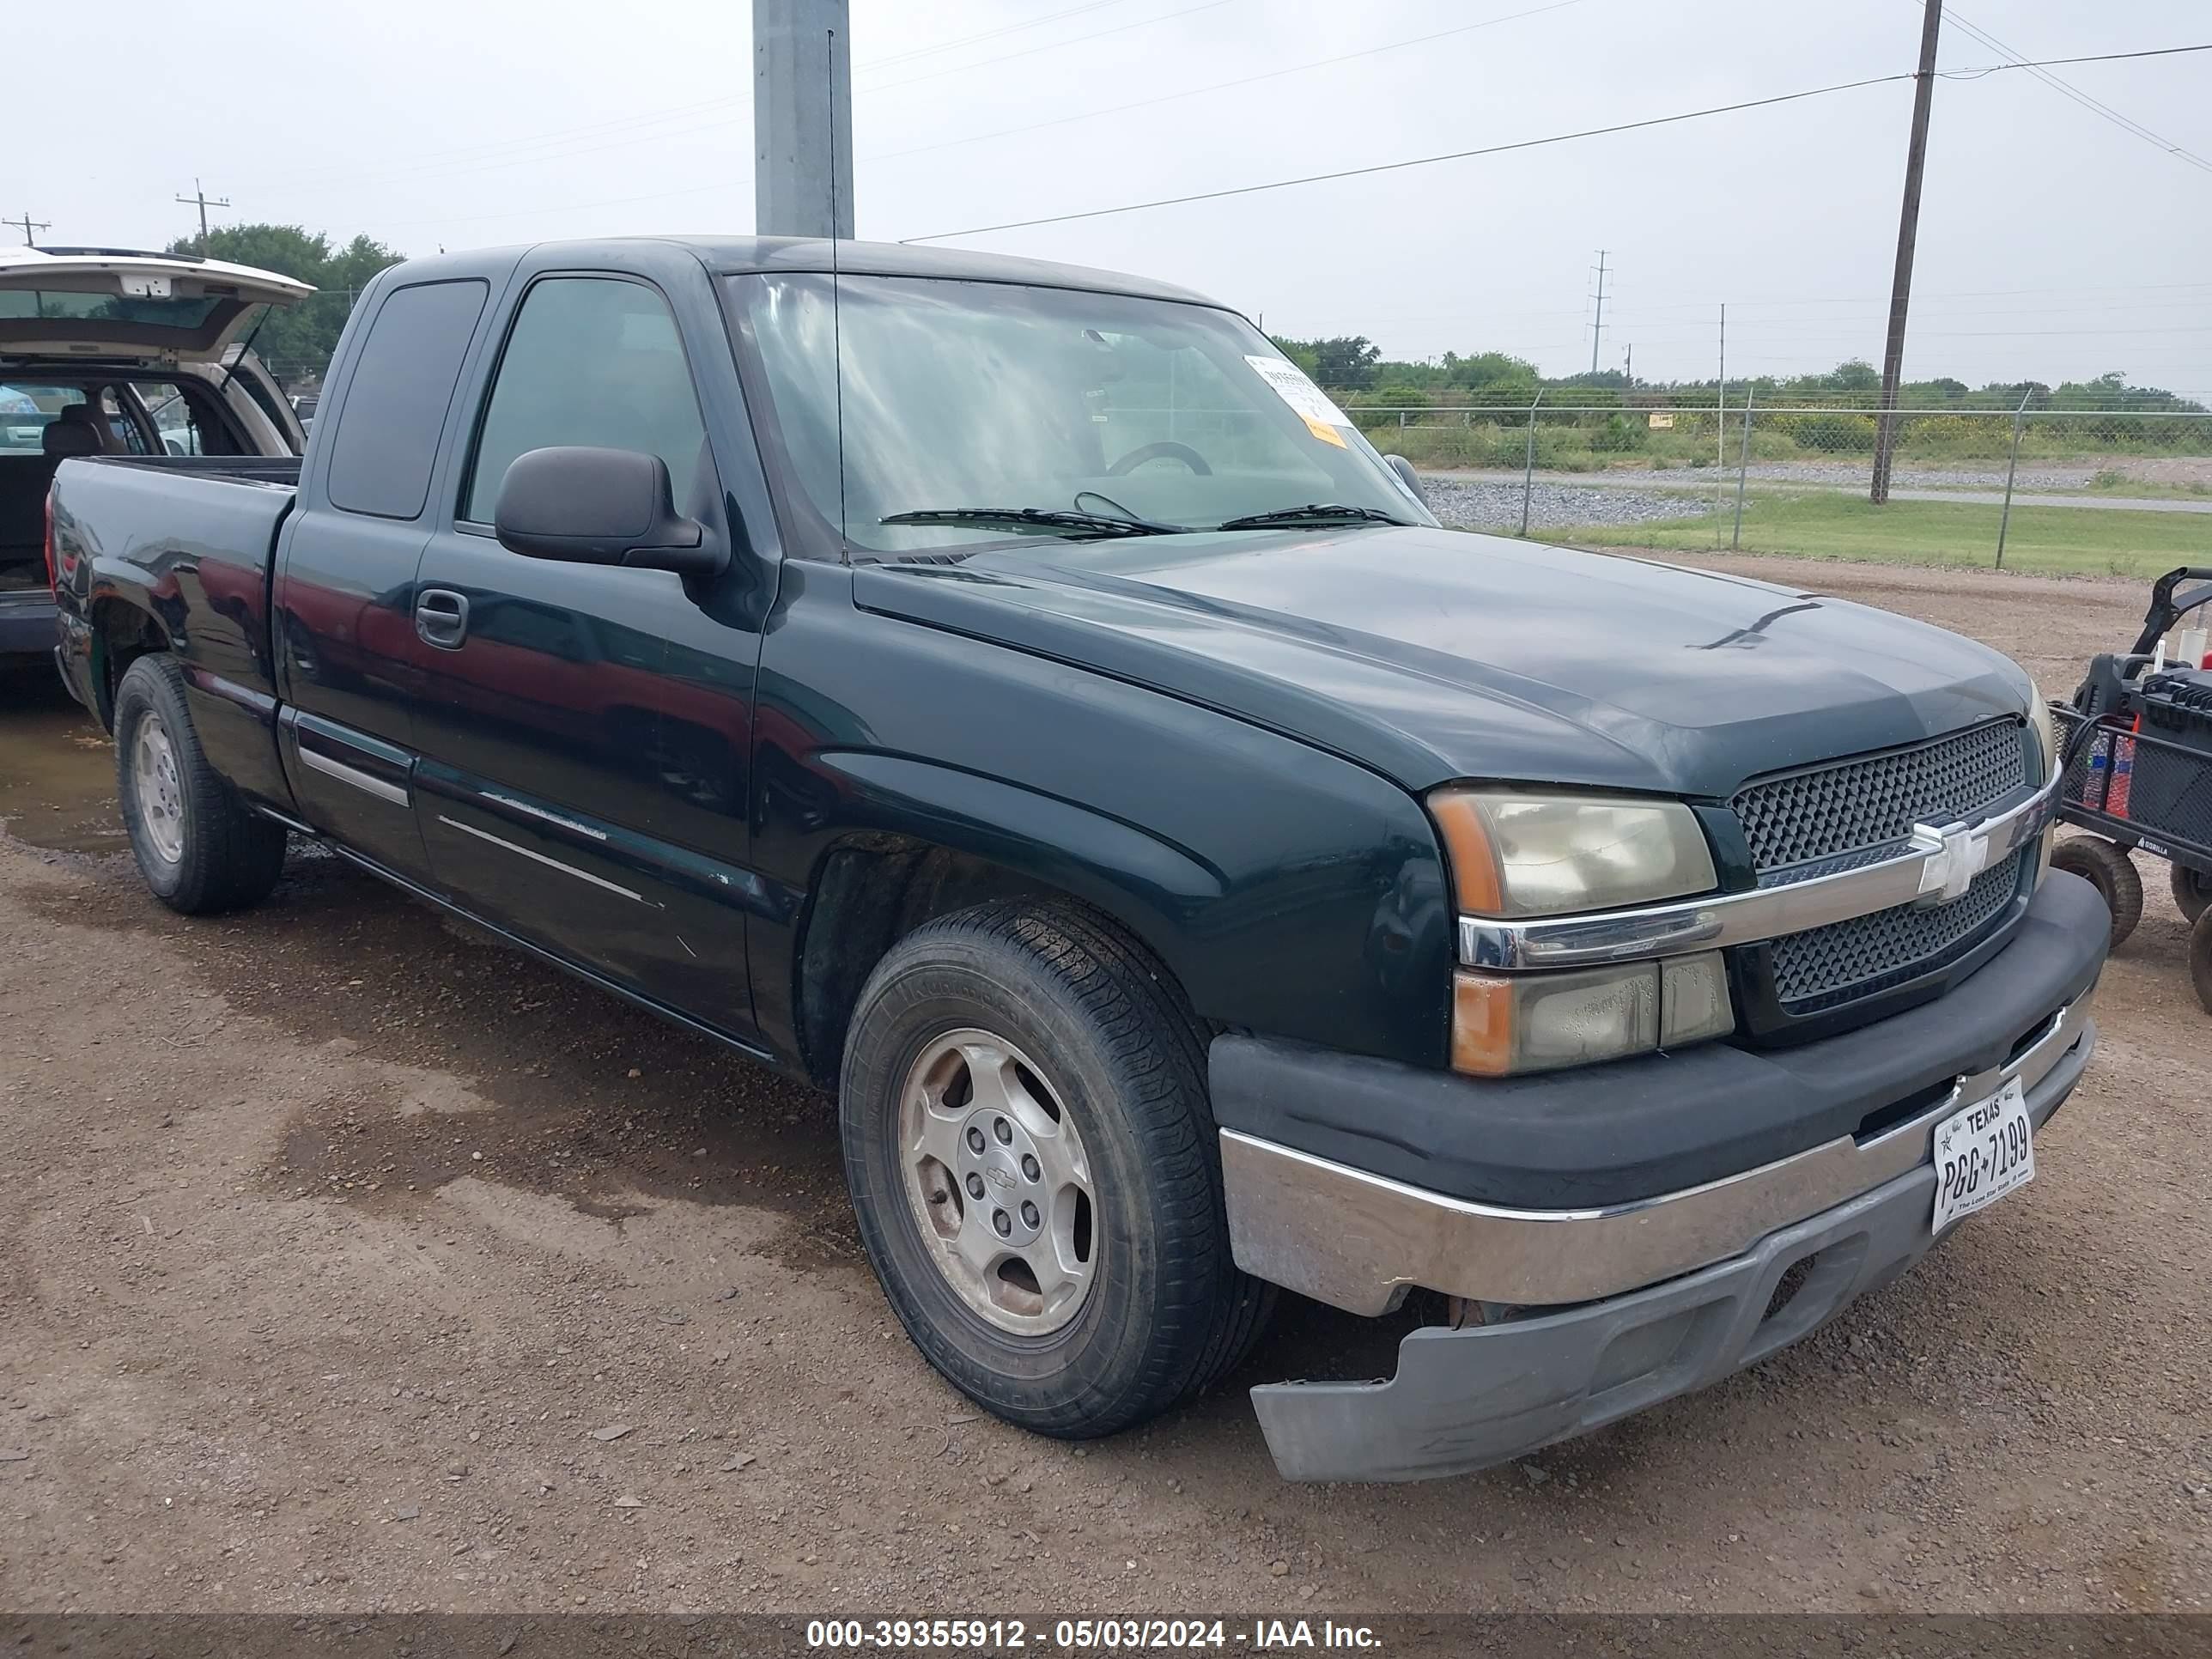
(53, 581)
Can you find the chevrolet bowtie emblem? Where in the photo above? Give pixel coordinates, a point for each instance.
(1956, 854)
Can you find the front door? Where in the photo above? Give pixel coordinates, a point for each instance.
(559, 754)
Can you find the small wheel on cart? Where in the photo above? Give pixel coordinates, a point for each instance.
(2107, 868)
(2200, 959)
(2192, 891)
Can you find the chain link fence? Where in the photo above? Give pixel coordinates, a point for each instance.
(2103, 490)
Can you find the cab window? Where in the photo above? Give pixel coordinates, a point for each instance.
(593, 360)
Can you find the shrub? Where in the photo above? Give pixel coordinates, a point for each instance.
(1831, 433)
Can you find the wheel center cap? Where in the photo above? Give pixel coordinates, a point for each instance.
(1001, 1175)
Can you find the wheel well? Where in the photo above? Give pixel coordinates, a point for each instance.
(871, 893)
(121, 633)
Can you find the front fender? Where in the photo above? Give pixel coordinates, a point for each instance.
(1289, 891)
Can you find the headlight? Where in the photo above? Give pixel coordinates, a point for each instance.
(2046, 733)
(1504, 1024)
(1515, 853)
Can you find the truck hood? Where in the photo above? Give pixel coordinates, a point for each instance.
(117, 306)
(1432, 654)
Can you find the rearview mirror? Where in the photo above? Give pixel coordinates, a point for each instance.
(1407, 477)
(585, 506)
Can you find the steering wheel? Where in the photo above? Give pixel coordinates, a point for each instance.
(1164, 450)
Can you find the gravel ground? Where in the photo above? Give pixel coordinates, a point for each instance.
(1472, 503)
(350, 1261)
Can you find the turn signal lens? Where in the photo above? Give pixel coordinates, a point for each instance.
(1504, 1024)
(1519, 854)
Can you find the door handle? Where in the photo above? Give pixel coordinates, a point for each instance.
(442, 617)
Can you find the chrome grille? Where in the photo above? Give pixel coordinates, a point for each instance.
(1851, 806)
(1824, 967)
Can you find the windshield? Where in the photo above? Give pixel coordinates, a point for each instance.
(1004, 399)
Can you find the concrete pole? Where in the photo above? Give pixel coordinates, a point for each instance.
(1908, 232)
(802, 117)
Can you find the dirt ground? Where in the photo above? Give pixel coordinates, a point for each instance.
(350, 1261)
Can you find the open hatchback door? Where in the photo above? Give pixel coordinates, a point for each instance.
(111, 305)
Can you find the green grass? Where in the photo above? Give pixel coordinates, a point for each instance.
(2105, 483)
(2055, 540)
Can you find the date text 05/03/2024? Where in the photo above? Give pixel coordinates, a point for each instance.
(1089, 1635)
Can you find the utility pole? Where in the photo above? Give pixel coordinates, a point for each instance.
(1628, 367)
(1908, 230)
(204, 201)
(1597, 326)
(802, 117)
(28, 225)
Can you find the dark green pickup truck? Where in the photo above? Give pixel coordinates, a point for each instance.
(1014, 698)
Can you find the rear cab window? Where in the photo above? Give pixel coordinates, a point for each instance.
(393, 413)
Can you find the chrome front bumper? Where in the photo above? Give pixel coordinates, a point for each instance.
(1359, 1242)
(1469, 1398)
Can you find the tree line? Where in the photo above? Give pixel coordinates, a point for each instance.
(297, 341)
(1353, 367)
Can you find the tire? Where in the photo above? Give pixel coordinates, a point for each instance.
(2192, 891)
(2107, 868)
(2200, 959)
(199, 848)
(1083, 1034)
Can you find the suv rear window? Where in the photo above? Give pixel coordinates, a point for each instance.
(59, 304)
(395, 408)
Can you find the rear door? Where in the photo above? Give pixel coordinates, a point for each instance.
(564, 745)
(347, 651)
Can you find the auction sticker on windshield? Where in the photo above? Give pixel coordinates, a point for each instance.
(1981, 1153)
(1311, 403)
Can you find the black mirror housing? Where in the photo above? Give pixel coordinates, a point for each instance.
(588, 506)
(1407, 475)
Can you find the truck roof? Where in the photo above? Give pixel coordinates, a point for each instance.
(731, 255)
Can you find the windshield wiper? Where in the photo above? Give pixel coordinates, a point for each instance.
(1314, 512)
(1034, 518)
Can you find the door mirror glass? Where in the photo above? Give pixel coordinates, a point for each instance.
(586, 505)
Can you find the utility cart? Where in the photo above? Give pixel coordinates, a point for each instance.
(2137, 740)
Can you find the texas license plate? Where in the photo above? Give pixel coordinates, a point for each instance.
(1982, 1152)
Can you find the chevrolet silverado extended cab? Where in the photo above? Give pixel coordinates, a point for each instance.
(1015, 699)
(108, 351)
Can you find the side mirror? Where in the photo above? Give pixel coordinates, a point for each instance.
(600, 507)
(1408, 477)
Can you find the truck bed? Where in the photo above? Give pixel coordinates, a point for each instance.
(195, 537)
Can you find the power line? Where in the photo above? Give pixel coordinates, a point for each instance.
(897, 57)
(553, 143)
(2127, 124)
(435, 161)
(1414, 161)
(1050, 45)
(1518, 144)
(1225, 86)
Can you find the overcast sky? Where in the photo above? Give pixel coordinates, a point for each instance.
(2053, 243)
